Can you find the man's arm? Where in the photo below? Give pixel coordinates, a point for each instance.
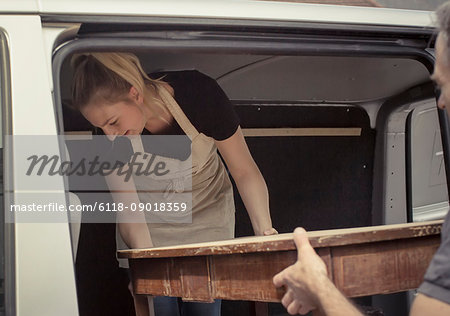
(308, 286)
(425, 305)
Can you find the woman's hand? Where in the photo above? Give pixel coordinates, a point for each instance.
(271, 231)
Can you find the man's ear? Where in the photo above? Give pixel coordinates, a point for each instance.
(135, 95)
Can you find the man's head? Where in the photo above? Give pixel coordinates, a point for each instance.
(441, 73)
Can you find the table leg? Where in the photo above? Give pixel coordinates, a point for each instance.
(260, 309)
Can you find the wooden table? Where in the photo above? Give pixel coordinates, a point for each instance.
(361, 261)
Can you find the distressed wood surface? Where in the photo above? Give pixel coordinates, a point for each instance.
(360, 261)
(320, 238)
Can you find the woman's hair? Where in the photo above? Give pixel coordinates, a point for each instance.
(108, 77)
(443, 23)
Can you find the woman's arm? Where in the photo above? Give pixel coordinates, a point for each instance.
(132, 228)
(249, 181)
(132, 225)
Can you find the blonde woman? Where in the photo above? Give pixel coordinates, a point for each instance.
(114, 93)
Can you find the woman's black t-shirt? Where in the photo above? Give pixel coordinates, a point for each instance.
(203, 101)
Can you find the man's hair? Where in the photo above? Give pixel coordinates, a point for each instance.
(443, 22)
(443, 15)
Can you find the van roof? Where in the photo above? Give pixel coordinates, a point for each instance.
(229, 9)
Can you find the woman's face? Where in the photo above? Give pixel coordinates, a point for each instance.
(117, 119)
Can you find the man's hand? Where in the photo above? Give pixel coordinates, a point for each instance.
(303, 279)
(308, 286)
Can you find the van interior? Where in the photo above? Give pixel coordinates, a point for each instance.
(343, 135)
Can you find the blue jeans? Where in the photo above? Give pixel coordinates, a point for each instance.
(174, 306)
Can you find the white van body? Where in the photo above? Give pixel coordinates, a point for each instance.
(39, 260)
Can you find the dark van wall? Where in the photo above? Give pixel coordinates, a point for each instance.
(318, 182)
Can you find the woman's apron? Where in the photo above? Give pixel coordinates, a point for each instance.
(212, 192)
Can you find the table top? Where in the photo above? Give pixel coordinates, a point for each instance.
(282, 242)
